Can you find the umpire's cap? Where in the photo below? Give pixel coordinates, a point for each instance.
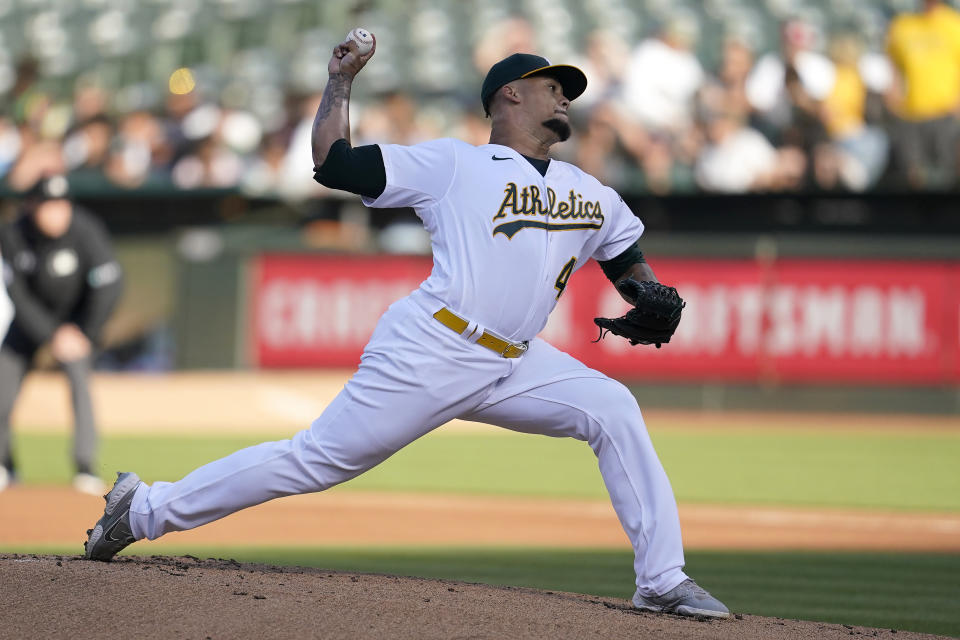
(524, 65)
(55, 187)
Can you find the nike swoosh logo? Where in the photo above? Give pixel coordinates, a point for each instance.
(494, 157)
(110, 537)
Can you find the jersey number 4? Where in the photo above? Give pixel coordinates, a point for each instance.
(565, 274)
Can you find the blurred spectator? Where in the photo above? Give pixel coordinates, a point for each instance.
(10, 145)
(265, 172)
(621, 151)
(64, 283)
(141, 153)
(829, 119)
(638, 120)
(296, 183)
(925, 50)
(513, 34)
(603, 64)
(221, 140)
(87, 148)
(176, 108)
(25, 94)
(731, 80)
(662, 170)
(89, 101)
(472, 128)
(599, 146)
(38, 157)
(662, 76)
(766, 86)
(860, 149)
(735, 158)
(805, 133)
(394, 118)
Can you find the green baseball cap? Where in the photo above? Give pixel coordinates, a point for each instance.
(524, 65)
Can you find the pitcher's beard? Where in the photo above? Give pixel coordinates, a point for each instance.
(559, 127)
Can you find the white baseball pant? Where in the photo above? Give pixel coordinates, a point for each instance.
(415, 375)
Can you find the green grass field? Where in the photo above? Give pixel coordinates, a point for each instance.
(884, 470)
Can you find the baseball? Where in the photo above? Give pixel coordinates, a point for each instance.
(363, 38)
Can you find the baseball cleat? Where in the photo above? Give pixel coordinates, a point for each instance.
(686, 599)
(112, 532)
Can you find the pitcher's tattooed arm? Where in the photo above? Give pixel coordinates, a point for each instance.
(333, 115)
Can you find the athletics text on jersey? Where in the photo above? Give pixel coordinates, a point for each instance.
(565, 215)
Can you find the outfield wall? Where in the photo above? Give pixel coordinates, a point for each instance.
(881, 312)
(784, 320)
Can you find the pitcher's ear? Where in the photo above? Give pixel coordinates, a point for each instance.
(510, 92)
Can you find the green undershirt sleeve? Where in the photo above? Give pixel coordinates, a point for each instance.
(616, 267)
(358, 170)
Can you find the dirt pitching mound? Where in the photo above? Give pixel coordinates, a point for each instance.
(186, 597)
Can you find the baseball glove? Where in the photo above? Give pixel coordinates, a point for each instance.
(653, 318)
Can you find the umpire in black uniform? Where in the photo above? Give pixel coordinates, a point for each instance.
(64, 282)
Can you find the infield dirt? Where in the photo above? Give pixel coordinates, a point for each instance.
(339, 517)
(186, 597)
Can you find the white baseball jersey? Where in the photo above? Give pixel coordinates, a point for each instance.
(505, 241)
(492, 217)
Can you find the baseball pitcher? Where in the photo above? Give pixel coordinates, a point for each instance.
(509, 226)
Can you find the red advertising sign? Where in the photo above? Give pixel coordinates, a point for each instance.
(794, 320)
(719, 335)
(319, 311)
(951, 332)
(855, 321)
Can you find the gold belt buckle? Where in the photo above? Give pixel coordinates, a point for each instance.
(514, 350)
